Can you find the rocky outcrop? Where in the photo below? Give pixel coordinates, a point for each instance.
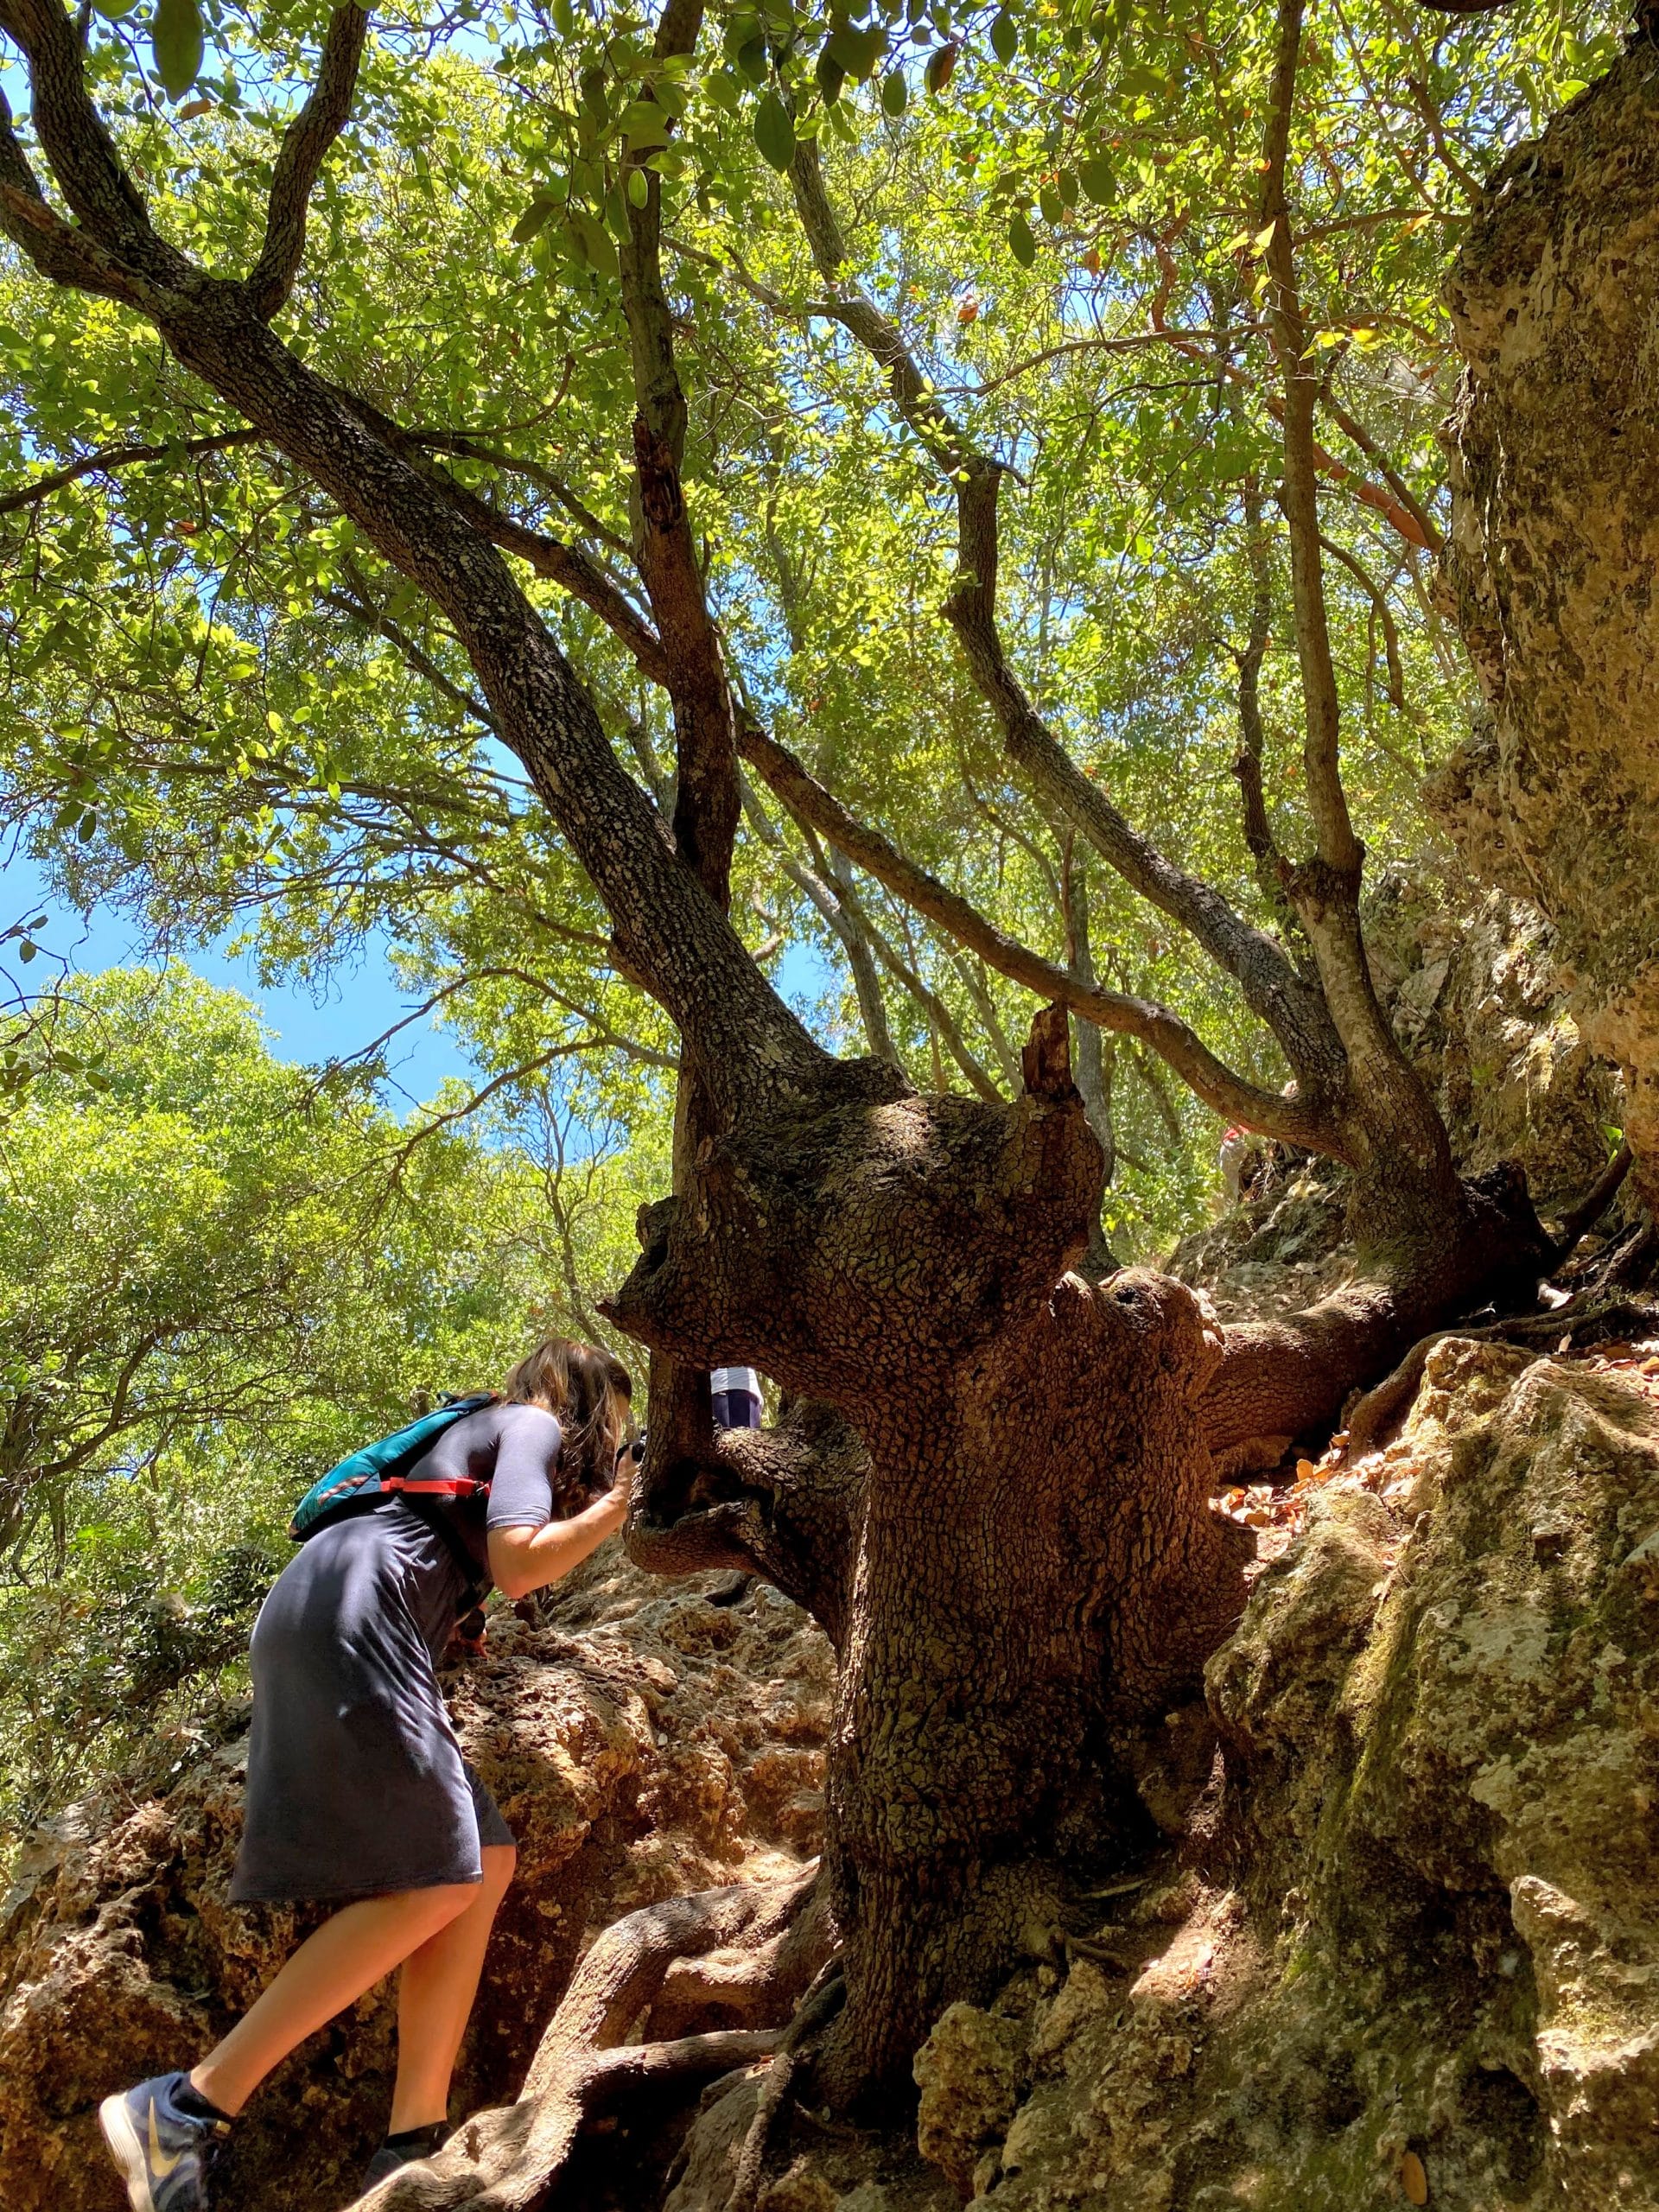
(1555, 547)
(1409, 1951)
(1470, 985)
(650, 1739)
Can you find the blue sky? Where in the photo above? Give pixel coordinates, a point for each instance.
(359, 1002)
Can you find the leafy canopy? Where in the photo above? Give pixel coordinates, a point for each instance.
(222, 707)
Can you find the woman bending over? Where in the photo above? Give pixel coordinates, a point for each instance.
(358, 1795)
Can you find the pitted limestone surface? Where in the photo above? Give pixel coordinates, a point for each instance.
(1555, 533)
(1424, 1923)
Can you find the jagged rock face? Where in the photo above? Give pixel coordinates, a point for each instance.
(648, 1742)
(1413, 1941)
(1555, 450)
(1470, 984)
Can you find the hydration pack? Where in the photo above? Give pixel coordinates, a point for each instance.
(384, 1467)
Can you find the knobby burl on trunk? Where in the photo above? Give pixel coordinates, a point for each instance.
(1018, 1566)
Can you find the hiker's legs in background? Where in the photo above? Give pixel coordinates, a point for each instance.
(331, 1969)
(434, 1998)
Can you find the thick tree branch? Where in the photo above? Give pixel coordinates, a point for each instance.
(1339, 847)
(138, 263)
(64, 255)
(1229, 1094)
(707, 800)
(299, 161)
(1247, 765)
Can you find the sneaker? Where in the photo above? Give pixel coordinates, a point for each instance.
(163, 2153)
(392, 2158)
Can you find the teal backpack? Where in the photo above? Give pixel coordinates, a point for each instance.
(384, 1467)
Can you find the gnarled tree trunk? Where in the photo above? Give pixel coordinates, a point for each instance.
(1027, 1563)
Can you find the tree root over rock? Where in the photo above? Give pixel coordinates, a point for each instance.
(820, 2003)
(509, 2159)
(1373, 1418)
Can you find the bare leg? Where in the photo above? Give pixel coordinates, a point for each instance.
(331, 1969)
(434, 1999)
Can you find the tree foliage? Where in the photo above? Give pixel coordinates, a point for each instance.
(208, 1295)
(223, 704)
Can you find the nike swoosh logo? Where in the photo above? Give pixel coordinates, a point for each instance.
(159, 2167)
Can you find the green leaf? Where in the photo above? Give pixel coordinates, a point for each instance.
(1049, 201)
(594, 242)
(646, 125)
(774, 134)
(533, 218)
(830, 77)
(753, 60)
(859, 53)
(1005, 37)
(26, 951)
(88, 828)
(113, 11)
(894, 93)
(1021, 244)
(176, 44)
(638, 188)
(1095, 177)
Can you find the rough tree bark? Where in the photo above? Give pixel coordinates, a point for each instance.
(1029, 1565)
(1554, 449)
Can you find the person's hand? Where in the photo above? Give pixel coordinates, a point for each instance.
(619, 1499)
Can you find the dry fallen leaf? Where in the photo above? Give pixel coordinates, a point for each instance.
(1304, 1471)
(1413, 2179)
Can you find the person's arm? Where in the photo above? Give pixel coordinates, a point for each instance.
(523, 1559)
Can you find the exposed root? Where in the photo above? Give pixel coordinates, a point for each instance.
(1373, 1418)
(1595, 1201)
(507, 2159)
(819, 2005)
(758, 1983)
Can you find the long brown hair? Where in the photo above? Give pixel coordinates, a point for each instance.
(590, 1391)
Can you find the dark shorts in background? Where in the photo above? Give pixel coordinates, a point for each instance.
(356, 1783)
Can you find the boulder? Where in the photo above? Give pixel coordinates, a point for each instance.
(1420, 1949)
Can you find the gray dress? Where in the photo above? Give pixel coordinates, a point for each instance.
(356, 1784)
